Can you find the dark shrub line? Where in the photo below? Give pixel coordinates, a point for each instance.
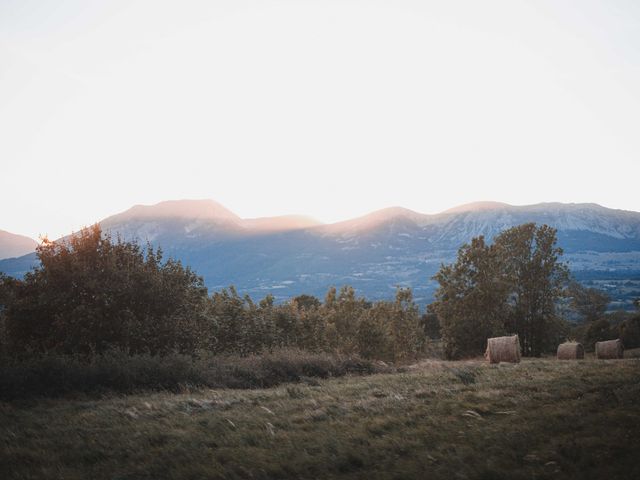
(118, 372)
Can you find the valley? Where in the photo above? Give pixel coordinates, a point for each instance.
(290, 255)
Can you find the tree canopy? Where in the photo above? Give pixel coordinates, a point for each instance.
(92, 292)
(509, 286)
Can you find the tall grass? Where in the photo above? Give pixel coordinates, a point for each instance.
(540, 419)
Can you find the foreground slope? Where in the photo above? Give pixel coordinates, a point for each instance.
(538, 419)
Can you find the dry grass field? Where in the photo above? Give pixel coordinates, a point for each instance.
(468, 420)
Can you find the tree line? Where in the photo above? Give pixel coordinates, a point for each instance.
(93, 293)
(518, 284)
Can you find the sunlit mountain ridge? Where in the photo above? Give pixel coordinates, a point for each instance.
(13, 245)
(288, 255)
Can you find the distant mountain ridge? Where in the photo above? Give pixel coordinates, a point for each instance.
(196, 217)
(13, 245)
(289, 255)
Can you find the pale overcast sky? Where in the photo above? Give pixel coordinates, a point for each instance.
(326, 108)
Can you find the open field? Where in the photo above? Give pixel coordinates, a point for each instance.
(539, 419)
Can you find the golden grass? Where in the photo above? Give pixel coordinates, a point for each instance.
(537, 419)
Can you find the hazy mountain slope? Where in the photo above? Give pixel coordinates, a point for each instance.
(395, 246)
(570, 219)
(181, 222)
(12, 245)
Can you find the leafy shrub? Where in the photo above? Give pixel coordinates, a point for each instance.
(630, 332)
(282, 366)
(54, 375)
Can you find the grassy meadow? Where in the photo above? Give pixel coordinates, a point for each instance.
(541, 418)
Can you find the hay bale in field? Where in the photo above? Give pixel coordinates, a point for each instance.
(610, 349)
(503, 349)
(570, 351)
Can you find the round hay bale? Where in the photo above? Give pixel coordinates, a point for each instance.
(570, 351)
(610, 349)
(503, 349)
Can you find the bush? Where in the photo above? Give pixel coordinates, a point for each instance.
(55, 375)
(630, 332)
(598, 331)
(271, 369)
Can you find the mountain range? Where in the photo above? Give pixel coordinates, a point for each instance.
(289, 255)
(12, 245)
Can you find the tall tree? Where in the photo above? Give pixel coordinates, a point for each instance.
(510, 286)
(374, 336)
(471, 301)
(589, 303)
(529, 257)
(406, 330)
(8, 287)
(342, 311)
(231, 322)
(391, 330)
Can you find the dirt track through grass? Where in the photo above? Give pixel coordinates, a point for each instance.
(538, 419)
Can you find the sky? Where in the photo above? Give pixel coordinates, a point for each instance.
(325, 108)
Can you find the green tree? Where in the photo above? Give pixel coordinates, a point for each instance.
(374, 335)
(511, 286)
(307, 302)
(589, 303)
(431, 325)
(91, 293)
(287, 326)
(630, 332)
(230, 319)
(471, 301)
(342, 311)
(313, 330)
(597, 331)
(407, 334)
(8, 286)
(529, 257)
(311, 323)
